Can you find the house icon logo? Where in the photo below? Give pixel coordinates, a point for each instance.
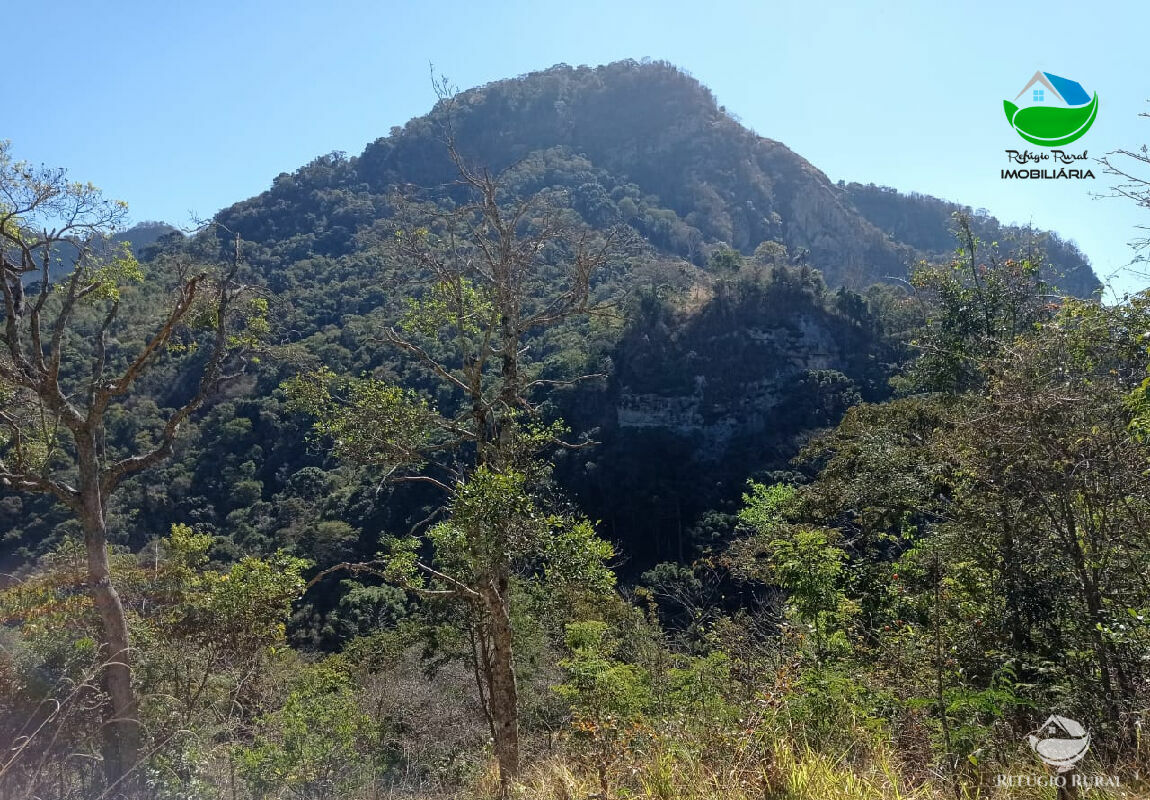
(1061, 742)
(1051, 111)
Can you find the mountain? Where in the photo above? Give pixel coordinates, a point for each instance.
(925, 223)
(645, 144)
(140, 236)
(725, 365)
(143, 235)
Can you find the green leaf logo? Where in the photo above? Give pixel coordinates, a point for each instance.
(1054, 111)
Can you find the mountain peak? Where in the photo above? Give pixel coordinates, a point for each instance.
(644, 144)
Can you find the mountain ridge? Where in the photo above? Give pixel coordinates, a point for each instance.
(729, 187)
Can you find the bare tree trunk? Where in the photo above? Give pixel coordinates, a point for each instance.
(503, 692)
(121, 731)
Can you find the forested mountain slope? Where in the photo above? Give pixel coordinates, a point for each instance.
(570, 441)
(729, 348)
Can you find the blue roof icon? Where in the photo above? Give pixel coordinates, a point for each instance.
(1071, 91)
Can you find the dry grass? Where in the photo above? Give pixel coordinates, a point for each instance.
(779, 771)
(787, 775)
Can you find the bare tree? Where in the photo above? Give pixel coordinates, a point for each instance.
(1131, 170)
(62, 368)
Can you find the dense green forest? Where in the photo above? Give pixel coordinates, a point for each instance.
(572, 440)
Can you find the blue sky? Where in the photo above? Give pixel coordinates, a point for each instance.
(184, 108)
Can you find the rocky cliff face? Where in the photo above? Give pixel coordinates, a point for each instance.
(701, 400)
(739, 379)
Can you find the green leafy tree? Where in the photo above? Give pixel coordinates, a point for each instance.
(205, 640)
(1052, 486)
(992, 534)
(973, 307)
(488, 277)
(315, 746)
(607, 696)
(803, 560)
(61, 374)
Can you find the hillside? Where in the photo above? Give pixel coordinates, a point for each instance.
(139, 236)
(731, 392)
(643, 144)
(705, 380)
(143, 235)
(571, 441)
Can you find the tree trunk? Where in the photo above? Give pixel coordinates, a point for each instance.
(1069, 791)
(121, 730)
(503, 692)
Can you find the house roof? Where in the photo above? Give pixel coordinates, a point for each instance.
(1071, 91)
(1070, 727)
(1066, 90)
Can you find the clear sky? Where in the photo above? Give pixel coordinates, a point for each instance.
(181, 107)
